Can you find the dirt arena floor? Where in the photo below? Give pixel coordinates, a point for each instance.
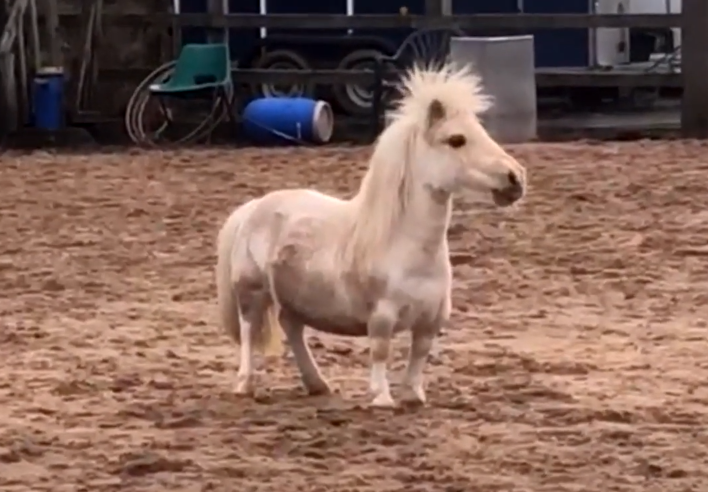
(577, 359)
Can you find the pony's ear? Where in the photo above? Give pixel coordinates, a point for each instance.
(436, 112)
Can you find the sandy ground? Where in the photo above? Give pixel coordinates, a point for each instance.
(577, 360)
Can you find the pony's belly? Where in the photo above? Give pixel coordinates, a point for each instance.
(320, 302)
(337, 326)
(306, 282)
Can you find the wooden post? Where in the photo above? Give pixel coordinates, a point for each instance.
(218, 7)
(97, 45)
(23, 92)
(87, 56)
(51, 19)
(438, 8)
(8, 70)
(694, 68)
(34, 36)
(9, 84)
(4, 12)
(4, 102)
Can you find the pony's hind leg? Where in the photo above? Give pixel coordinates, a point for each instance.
(252, 304)
(309, 372)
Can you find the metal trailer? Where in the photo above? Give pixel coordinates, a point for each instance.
(355, 49)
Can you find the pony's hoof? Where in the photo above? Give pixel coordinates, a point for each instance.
(413, 396)
(319, 389)
(383, 400)
(244, 386)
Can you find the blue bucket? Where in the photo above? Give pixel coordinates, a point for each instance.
(48, 99)
(288, 120)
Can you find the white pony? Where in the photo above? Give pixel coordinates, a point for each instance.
(373, 265)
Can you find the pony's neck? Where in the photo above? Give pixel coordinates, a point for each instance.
(427, 218)
(393, 206)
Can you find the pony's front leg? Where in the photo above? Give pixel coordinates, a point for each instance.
(422, 340)
(380, 330)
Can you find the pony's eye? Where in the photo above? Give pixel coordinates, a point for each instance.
(456, 141)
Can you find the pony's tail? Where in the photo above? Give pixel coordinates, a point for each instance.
(267, 340)
(226, 296)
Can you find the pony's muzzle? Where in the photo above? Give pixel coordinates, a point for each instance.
(512, 191)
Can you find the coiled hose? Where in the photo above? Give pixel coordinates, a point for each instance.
(135, 111)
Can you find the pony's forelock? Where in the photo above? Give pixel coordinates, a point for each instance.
(455, 86)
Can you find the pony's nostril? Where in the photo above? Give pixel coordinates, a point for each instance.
(514, 180)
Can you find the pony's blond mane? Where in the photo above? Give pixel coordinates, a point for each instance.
(386, 189)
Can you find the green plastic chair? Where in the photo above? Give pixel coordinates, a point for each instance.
(199, 67)
(201, 71)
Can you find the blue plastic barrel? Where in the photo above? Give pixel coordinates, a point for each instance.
(278, 120)
(48, 98)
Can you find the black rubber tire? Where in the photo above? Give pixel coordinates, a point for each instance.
(341, 94)
(285, 59)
